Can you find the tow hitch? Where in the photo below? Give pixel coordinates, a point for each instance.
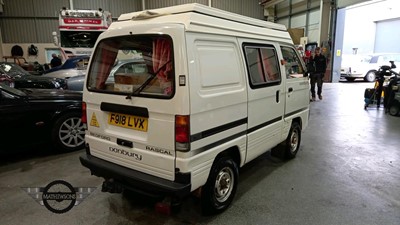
(168, 206)
(111, 186)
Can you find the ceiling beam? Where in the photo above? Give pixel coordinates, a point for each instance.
(270, 3)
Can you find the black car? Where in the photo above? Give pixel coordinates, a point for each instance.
(21, 78)
(36, 116)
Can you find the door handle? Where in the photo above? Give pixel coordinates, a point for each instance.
(290, 89)
(277, 96)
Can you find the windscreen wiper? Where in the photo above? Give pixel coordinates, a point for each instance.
(140, 89)
(146, 82)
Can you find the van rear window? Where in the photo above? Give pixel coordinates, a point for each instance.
(133, 65)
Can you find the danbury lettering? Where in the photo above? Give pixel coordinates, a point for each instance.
(124, 152)
(160, 150)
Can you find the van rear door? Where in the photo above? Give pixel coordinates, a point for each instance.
(130, 96)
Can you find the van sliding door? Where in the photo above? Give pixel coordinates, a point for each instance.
(265, 98)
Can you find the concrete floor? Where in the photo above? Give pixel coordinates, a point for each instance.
(346, 172)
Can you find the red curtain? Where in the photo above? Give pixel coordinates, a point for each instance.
(260, 68)
(162, 59)
(268, 62)
(108, 55)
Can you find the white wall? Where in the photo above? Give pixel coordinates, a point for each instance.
(41, 58)
(313, 26)
(300, 20)
(285, 22)
(387, 36)
(345, 3)
(360, 26)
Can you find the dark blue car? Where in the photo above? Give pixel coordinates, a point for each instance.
(71, 67)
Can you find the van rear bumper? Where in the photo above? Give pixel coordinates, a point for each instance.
(135, 180)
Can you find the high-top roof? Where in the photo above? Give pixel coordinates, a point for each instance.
(201, 9)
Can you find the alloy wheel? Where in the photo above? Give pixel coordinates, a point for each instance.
(72, 132)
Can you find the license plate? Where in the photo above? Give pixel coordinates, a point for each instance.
(128, 121)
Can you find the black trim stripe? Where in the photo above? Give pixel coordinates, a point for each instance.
(212, 131)
(295, 112)
(220, 142)
(124, 109)
(264, 124)
(215, 130)
(232, 137)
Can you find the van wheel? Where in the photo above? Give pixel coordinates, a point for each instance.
(292, 143)
(68, 133)
(219, 191)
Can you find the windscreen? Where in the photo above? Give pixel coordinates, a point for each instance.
(79, 39)
(133, 65)
(12, 69)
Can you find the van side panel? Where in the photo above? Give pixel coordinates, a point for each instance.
(218, 108)
(217, 94)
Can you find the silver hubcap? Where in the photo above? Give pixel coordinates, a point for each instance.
(224, 184)
(294, 141)
(72, 132)
(371, 76)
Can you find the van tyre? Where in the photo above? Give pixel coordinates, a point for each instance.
(289, 147)
(68, 133)
(219, 191)
(292, 143)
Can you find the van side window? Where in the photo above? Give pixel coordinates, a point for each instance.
(262, 65)
(292, 63)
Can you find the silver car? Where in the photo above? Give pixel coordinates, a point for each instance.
(367, 66)
(132, 66)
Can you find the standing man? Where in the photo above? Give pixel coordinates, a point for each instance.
(55, 61)
(319, 62)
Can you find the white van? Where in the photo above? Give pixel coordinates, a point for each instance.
(206, 92)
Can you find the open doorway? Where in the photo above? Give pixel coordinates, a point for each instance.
(362, 32)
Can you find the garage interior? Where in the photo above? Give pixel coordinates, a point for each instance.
(346, 172)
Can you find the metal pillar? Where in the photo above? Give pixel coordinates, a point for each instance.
(337, 42)
(325, 12)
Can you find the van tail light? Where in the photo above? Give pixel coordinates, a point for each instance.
(84, 115)
(182, 133)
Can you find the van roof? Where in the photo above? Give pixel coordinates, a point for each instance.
(201, 9)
